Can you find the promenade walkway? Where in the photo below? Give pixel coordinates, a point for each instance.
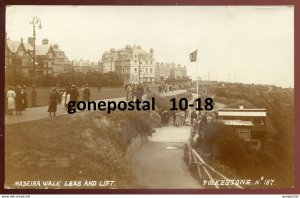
(37, 113)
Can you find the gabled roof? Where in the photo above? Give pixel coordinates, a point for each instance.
(28, 47)
(13, 46)
(42, 50)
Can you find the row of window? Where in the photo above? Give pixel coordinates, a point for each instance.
(147, 70)
(150, 62)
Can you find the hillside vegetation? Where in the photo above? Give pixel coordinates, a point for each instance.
(276, 158)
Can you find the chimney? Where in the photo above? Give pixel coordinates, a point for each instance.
(151, 51)
(55, 46)
(45, 41)
(21, 40)
(30, 41)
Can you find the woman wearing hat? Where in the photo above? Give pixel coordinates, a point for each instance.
(20, 100)
(52, 102)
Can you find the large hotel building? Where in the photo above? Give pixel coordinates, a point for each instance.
(137, 65)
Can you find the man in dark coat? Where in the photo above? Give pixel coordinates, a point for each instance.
(86, 93)
(193, 116)
(20, 100)
(74, 94)
(139, 92)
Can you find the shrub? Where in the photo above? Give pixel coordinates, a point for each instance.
(231, 151)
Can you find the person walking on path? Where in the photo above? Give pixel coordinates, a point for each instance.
(33, 96)
(86, 93)
(165, 118)
(19, 101)
(74, 94)
(129, 92)
(139, 92)
(53, 102)
(177, 113)
(65, 99)
(25, 97)
(174, 117)
(182, 118)
(11, 95)
(193, 116)
(186, 113)
(159, 89)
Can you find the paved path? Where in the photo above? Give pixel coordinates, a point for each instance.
(159, 163)
(37, 113)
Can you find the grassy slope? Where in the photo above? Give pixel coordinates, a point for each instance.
(83, 146)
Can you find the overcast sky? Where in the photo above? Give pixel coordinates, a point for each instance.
(246, 44)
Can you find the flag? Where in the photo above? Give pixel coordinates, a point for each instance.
(193, 56)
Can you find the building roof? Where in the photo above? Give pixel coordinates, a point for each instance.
(28, 46)
(41, 50)
(237, 123)
(13, 45)
(241, 109)
(243, 113)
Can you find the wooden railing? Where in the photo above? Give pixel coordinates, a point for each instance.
(206, 171)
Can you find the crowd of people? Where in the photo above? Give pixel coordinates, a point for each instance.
(169, 87)
(178, 117)
(134, 91)
(17, 98)
(69, 93)
(200, 122)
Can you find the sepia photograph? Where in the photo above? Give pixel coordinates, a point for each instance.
(149, 97)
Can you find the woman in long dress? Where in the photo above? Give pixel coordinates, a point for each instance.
(129, 92)
(177, 121)
(52, 102)
(65, 100)
(182, 118)
(11, 103)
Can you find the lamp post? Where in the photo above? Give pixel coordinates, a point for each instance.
(35, 22)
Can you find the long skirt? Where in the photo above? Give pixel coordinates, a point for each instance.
(11, 104)
(177, 121)
(52, 107)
